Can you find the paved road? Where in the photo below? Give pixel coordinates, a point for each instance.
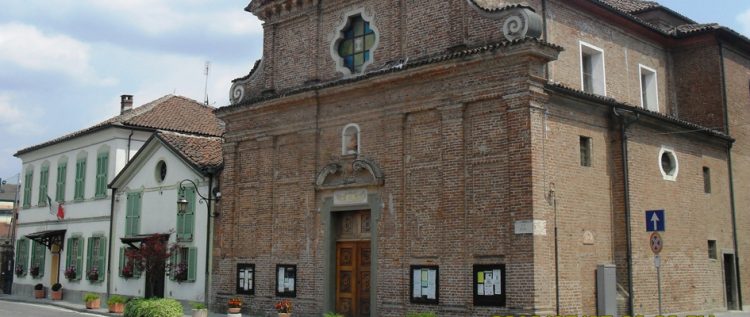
(16, 309)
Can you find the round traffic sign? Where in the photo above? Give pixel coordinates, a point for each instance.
(656, 242)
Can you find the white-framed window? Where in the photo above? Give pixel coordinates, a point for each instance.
(593, 78)
(350, 140)
(649, 88)
(668, 164)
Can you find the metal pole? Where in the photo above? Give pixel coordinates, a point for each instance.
(657, 261)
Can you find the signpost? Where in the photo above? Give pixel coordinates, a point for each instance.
(656, 245)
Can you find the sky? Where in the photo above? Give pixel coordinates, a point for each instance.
(65, 63)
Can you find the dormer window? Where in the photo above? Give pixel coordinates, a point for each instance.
(355, 42)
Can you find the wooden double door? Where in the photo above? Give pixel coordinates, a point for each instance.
(353, 278)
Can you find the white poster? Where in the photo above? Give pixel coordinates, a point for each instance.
(280, 282)
(417, 283)
(431, 289)
(497, 281)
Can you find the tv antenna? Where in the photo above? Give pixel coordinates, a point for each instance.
(205, 87)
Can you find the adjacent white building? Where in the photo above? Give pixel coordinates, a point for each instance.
(74, 171)
(170, 166)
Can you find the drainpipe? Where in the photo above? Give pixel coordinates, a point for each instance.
(111, 239)
(624, 124)
(731, 180)
(211, 174)
(544, 36)
(130, 137)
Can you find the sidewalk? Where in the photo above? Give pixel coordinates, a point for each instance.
(79, 307)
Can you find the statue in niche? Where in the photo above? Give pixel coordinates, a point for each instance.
(351, 140)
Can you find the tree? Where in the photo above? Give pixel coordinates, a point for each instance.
(152, 258)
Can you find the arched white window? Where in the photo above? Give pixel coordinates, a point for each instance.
(350, 140)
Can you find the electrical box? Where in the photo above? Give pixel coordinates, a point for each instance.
(606, 290)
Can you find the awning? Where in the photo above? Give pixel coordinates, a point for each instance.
(49, 237)
(139, 238)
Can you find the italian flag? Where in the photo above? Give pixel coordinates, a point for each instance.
(56, 209)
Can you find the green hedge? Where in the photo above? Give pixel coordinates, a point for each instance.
(155, 307)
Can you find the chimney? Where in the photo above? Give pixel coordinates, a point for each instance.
(126, 103)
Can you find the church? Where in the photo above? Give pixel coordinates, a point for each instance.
(486, 157)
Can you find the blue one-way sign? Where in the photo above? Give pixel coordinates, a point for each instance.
(655, 220)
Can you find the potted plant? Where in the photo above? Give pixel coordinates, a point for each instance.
(235, 304)
(116, 304)
(56, 291)
(70, 272)
(92, 300)
(127, 271)
(180, 272)
(284, 308)
(199, 309)
(19, 269)
(34, 271)
(93, 274)
(39, 291)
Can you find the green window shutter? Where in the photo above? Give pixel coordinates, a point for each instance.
(22, 252)
(102, 257)
(102, 164)
(122, 261)
(173, 263)
(62, 173)
(133, 214)
(180, 219)
(89, 254)
(128, 214)
(43, 185)
(80, 185)
(137, 213)
(68, 255)
(37, 257)
(79, 259)
(192, 263)
(190, 213)
(27, 189)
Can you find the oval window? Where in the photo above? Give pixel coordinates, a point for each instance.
(668, 164)
(161, 171)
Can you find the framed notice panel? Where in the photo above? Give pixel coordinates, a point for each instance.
(286, 280)
(245, 278)
(424, 284)
(489, 285)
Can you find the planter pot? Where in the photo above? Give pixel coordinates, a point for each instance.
(94, 304)
(234, 310)
(117, 308)
(285, 314)
(39, 293)
(200, 312)
(57, 295)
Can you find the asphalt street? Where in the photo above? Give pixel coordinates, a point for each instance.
(16, 309)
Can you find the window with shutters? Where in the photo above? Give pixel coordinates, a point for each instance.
(102, 165)
(128, 267)
(80, 186)
(186, 220)
(38, 253)
(184, 263)
(22, 257)
(95, 258)
(133, 214)
(27, 183)
(43, 184)
(62, 174)
(74, 258)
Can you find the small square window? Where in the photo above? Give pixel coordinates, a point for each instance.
(649, 96)
(706, 180)
(712, 250)
(246, 279)
(585, 143)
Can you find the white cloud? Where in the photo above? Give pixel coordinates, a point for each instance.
(26, 46)
(744, 20)
(16, 121)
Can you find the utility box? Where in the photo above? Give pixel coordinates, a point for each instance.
(606, 290)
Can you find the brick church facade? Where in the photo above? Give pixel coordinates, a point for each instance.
(485, 157)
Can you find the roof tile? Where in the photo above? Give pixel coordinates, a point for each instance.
(201, 151)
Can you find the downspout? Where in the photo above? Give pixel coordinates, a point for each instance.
(211, 172)
(624, 124)
(544, 36)
(111, 237)
(129, 138)
(731, 179)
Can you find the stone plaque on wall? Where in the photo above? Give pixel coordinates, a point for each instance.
(535, 227)
(350, 197)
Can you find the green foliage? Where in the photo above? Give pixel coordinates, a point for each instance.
(56, 287)
(39, 287)
(88, 297)
(332, 314)
(421, 314)
(154, 307)
(116, 299)
(198, 305)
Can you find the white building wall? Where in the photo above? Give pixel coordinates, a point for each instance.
(159, 215)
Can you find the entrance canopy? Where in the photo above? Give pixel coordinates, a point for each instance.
(132, 240)
(49, 238)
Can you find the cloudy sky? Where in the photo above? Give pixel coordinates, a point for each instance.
(64, 63)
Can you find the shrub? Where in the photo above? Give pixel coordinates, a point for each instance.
(422, 314)
(198, 305)
(38, 287)
(88, 297)
(332, 314)
(155, 307)
(116, 299)
(56, 287)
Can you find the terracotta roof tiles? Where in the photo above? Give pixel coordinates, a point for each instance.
(200, 151)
